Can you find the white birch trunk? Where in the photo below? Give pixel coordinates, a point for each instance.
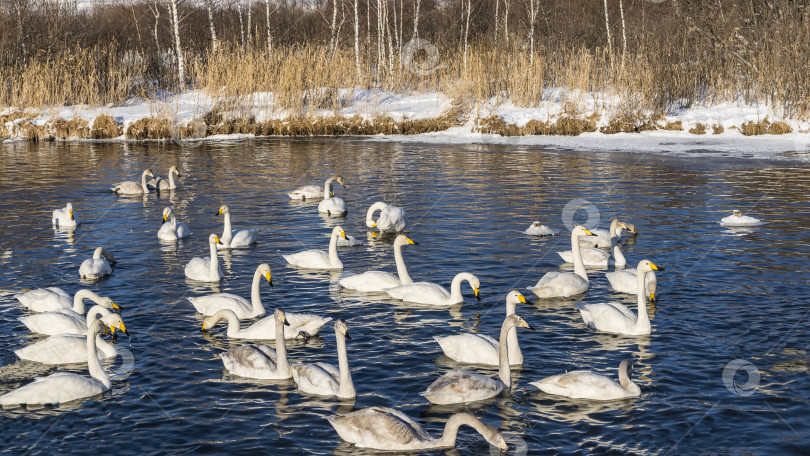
(607, 29)
(181, 73)
(214, 42)
(624, 34)
(506, 21)
(267, 19)
(468, 5)
(241, 24)
(416, 20)
(534, 5)
(357, 42)
(497, 8)
(333, 29)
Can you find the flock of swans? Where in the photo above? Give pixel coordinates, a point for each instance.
(75, 331)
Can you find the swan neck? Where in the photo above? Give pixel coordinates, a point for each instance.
(283, 365)
(402, 270)
(346, 388)
(618, 256)
(94, 313)
(448, 438)
(643, 319)
(93, 364)
(78, 300)
(624, 379)
(256, 294)
(227, 232)
(214, 263)
(327, 187)
(503, 352)
(334, 260)
(233, 322)
(171, 178)
(579, 266)
(143, 183)
(455, 287)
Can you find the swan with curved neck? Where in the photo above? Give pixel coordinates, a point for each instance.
(324, 379)
(464, 386)
(383, 428)
(483, 349)
(133, 188)
(315, 191)
(392, 219)
(598, 257)
(98, 266)
(205, 269)
(624, 281)
(53, 298)
(434, 294)
(211, 304)
(318, 259)
(564, 284)
(233, 239)
(159, 183)
(261, 361)
(301, 325)
(65, 387)
(617, 318)
(65, 321)
(378, 281)
(64, 217)
(171, 229)
(588, 385)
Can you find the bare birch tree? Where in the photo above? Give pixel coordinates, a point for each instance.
(267, 20)
(506, 21)
(497, 7)
(465, 12)
(155, 8)
(534, 7)
(416, 20)
(609, 39)
(357, 42)
(241, 25)
(214, 43)
(624, 34)
(181, 73)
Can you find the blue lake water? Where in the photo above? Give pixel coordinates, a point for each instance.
(725, 295)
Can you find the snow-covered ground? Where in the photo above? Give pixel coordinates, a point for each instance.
(371, 104)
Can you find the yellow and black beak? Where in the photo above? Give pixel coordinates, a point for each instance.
(412, 242)
(348, 337)
(588, 232)
(655, 268)
(652, 297)
(331, 194)
(477, 293)
(219, 212)
(343, 235)
(216, 238)
(521, 298)
(527, 326)
(269, 278)
(374, 224)
(203, 327)
(121, 327)
(71, 215)
(116, 306)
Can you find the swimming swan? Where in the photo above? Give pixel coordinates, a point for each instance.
(64, 218)
(98, 266)
(737, 219)
(377, 281)
(588, 385)
(53, 298)
(234, 239)
(332, 206)
(538, 229)
(133, 188)
(325, 379)
(564, 284)
(483, 349)
(602, 237)
(64, 387)
(205, 269)
(624, 281)
(301, 325)
(314, 191)
(434, 294)
(65, 321)
(171, 229)
(598, 257)
(464, 386)
(68, 348)
(213, 303)
(159, 183)
(383, 428)
(261, 361)
(392, 219)
(318, 259)
(617, 318)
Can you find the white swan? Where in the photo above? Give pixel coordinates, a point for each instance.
(538, 229)
(564, 284)
(234, 239)
(332, 206)
(64, 217)
(588, 385)
(617, 318)
(598, 257)
(314, 191)
(65, 321)
(459, 386)
(158, 183)
(376, 281)
(392, 219)
(434, 294)
(737, 219)
(205, 269)
(133, 188)
(45, 299)
(213, 303)
(324, 379)
(171, 229)
(301, 325)
(261, 361)
(98, 266)
(483, 349)
(69, 348)
(624, 281)
(318, 259)
(602, 237)
(383, 428)
(64, 387)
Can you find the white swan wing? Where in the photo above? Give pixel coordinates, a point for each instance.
(316, 378)
(63, 349)
(200, 269)
(251, 361)
(422, 293)
(745, 220)
(611, 317)
(167, 232)
(306, 192)
(45, 299)
(470, 348)
(128, 188)
(379, 428)
(61, 218)
(625, 281)
(590, 257)
(536, 229)
(332, 206)
(210, 304)
(56, 322)
(244, 238)
(311, 259)
(559, 284)
(371, 281)
(462, 386)
(582, 385)
(392, 219)
(56, 388)
(94, 268)
(301, 322)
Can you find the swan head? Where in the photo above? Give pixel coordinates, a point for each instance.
(518, 321)
(212, 320)
(223, 210)
(647, 265)
(174, 170)
(167, 212)
(148, 172)
(214, 239)
(109, 303)
(340, 327)
(69, 208)
(404, 240)
(338, 231)
(281, 316)
(515, 297)
(630, 228)
(339, 180)
(580, 230)
(264, 270)
(114, 322)
(736, 213)
(475, 284)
